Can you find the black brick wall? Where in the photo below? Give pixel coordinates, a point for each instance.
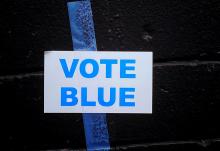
(186, 89)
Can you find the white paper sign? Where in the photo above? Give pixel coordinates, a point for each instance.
(97, 82)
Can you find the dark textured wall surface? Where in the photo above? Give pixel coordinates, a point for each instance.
(183, 36)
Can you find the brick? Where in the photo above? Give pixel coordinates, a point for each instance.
(28, 128)
(172, 30)
(185, 106)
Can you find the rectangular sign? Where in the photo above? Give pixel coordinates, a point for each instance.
(97, 82)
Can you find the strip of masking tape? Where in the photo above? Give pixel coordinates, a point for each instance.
(83, 38)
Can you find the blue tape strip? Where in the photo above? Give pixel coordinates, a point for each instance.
(83, 37)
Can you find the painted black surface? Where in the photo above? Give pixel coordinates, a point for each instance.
(173, 30)
(182, 35)
(185, 107)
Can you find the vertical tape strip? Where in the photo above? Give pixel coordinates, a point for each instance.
(83, 37)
